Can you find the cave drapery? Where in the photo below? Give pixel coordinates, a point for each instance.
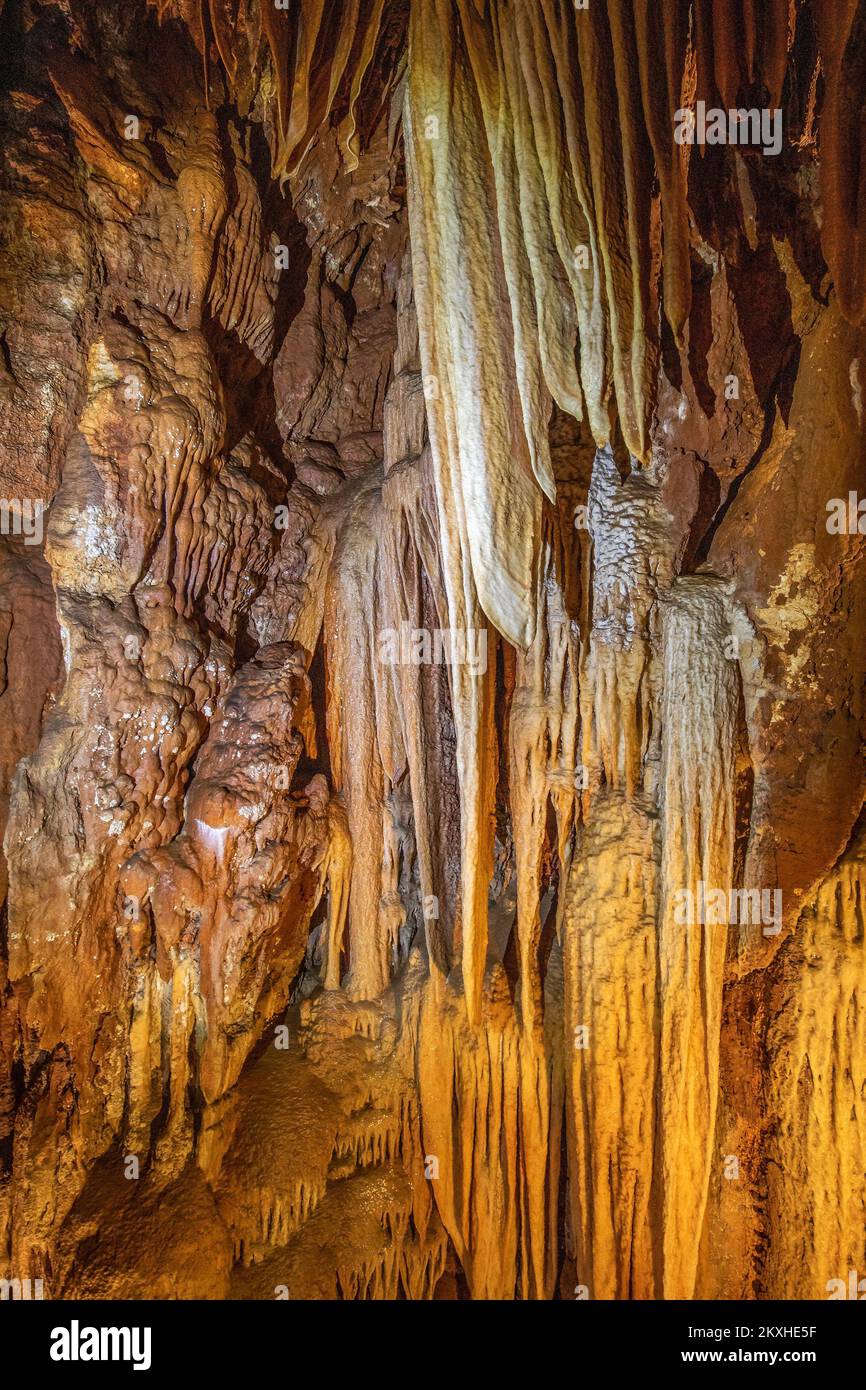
(432, 680)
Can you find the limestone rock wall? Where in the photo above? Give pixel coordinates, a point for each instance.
(431, 651)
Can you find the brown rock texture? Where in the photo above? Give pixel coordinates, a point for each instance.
(432, 583)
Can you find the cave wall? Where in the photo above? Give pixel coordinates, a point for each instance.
(335, 331)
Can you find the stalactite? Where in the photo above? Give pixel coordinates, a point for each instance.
(489, 502)
(490, 1105)
(357, 728)
(633, 561)
(662, 95)
(410, 578)
(842, 148)
(742, 45)
(386, 766)
(300, 39)
(544, 763)
(467, 560)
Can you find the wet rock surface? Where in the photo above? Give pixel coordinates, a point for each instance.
(431, 652)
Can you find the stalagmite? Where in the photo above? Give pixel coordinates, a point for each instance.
(339, 871)
(611, 1016)
(699, 715)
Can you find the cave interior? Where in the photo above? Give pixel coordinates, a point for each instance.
(432, 593)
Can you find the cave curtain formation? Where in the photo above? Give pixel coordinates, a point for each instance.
(439, 612)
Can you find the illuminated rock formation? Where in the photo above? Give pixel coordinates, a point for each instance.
(431, 649)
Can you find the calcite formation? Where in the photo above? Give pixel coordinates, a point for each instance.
(432, 649)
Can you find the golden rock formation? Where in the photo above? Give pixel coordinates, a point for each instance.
(431, 649)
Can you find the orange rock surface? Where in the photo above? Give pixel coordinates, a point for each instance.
(432, 592)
